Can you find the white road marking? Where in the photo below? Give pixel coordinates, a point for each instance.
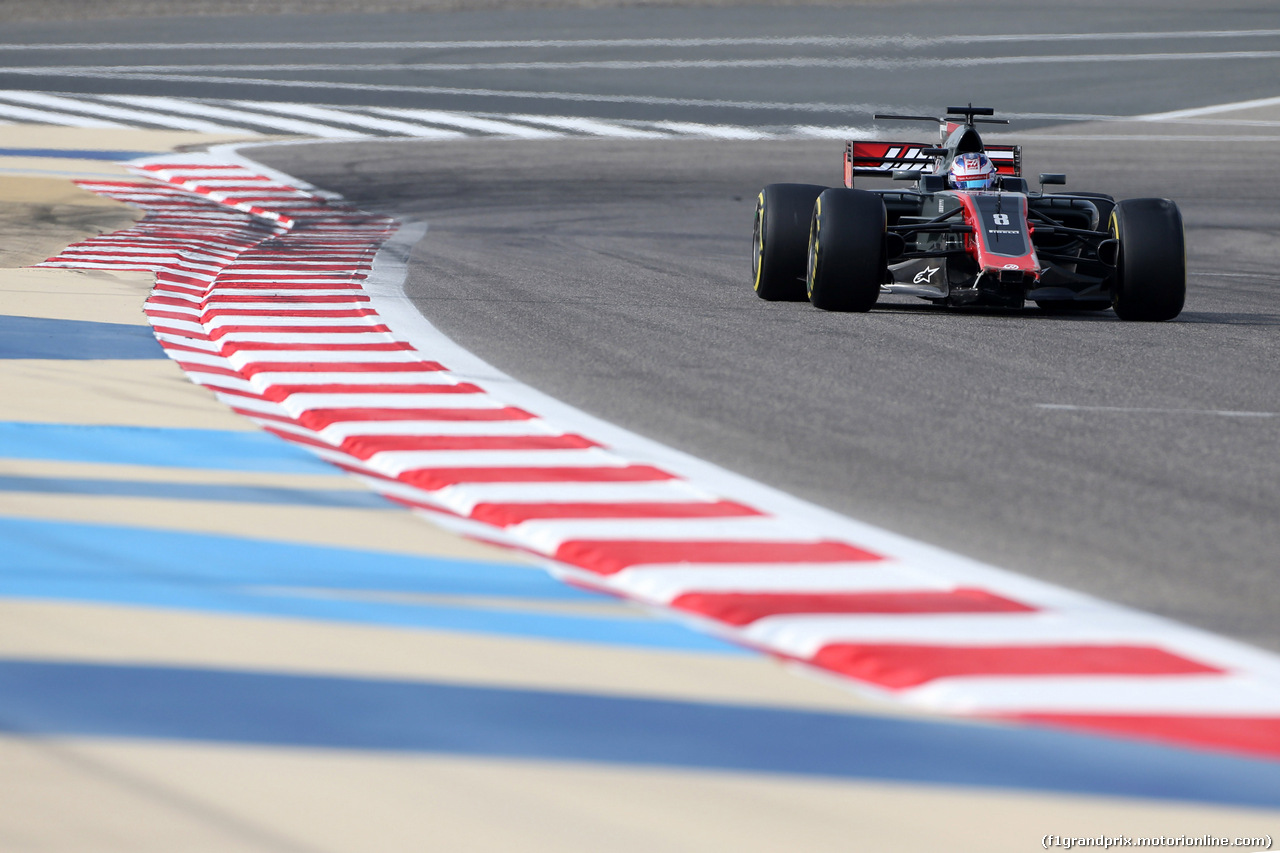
(216, 322)
(309, 377)
(591, 127)
(343, 117)
(1136, 137)
(1212, 695)
(885, 62)
(803, 635)
(465, 496)
(1243, 679)
(905, 39)
(239, 360)
(585, 125)
(467, 122)
(551, 532)
(233, 291)
(267, 116)
(1196, 112)
(238, 401)
(584, 97)
(662, 585)
(814, 131)
(398, 461)
(1223, 413)
(711, 130)
(312, 338)
(52, 117)
(97, 111)
(339, 432)
(275, 122)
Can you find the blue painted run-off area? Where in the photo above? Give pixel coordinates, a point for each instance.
(367, 714)
(163, 447)
(142, 566)
(225, 574)
(355, 498)
(75, 153)
(38, 337)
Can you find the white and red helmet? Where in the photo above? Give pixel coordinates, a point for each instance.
(972, 172)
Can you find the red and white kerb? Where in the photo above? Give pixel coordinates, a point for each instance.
(259, 297)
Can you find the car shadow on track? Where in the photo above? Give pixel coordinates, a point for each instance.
(1212, 318)
(1012, 313)
(1229, 318)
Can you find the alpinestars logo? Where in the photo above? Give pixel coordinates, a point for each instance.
(925, 276)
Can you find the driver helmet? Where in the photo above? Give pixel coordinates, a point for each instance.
(972, 172)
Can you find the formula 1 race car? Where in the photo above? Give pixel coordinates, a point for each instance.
(999, 245)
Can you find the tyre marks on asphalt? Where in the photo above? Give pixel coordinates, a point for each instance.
(260, 297)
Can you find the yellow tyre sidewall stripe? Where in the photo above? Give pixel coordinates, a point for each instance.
(759, 258)
(815, 235)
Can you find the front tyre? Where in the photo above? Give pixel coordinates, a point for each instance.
(846, 250)
(1151, 271)
(780, 239)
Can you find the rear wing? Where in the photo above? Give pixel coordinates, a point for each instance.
(882, 159)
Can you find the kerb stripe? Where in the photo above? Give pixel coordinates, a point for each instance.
(901, 666)
(745, 608)
(260, 295)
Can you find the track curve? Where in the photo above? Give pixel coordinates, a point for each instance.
(613, 276)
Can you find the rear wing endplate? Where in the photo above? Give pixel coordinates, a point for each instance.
(882, 159)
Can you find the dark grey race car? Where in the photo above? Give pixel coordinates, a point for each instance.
(842, 247)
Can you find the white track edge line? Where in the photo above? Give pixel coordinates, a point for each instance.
(385, 287)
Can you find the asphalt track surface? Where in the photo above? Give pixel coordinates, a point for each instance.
(614, 275)
(763, 65)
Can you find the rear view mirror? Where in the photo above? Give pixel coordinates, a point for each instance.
(1109, 252)
(1052, 178)
(894, 245)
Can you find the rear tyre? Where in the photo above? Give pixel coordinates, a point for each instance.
(1151, 272)
(846, 250)
(780, 240)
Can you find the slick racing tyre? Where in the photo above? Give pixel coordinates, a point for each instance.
(1151, 271)
(846, 250)
(780, 240)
